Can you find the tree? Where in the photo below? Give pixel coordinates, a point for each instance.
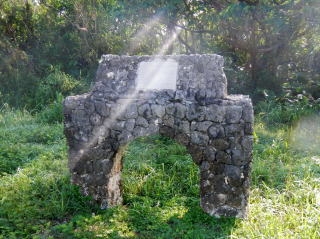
(266, 43)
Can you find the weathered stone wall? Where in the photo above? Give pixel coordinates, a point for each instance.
(215, 128)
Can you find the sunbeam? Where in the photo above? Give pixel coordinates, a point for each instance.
(130, 97)
(169, 42)
(143, 33)
(305, 136)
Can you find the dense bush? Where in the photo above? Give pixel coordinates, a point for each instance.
(55, 85)
(286, 109)
(53, 46)
(52, 113)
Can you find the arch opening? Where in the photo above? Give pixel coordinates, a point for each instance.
(159, 171)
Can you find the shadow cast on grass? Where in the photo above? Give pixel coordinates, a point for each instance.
(194, 224)
(161, 196)
(145, 223)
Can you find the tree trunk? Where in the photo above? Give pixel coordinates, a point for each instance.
(254, 71)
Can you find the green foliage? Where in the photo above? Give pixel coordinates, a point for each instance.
(23, 140)
(286, 109)
(52, 113)
(54, 86)
(53, 46)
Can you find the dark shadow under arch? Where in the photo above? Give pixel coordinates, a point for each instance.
(147, 210)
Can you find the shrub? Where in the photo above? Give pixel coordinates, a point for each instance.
(57, 83)
(52, 113)
(286, 109)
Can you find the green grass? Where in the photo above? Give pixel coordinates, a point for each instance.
(160, 184)
(35, 192)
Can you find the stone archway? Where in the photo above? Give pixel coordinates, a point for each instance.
(195, 111)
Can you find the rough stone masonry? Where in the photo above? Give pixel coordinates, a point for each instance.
(127, 101)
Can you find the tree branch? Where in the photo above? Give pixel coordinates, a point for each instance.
(186, 44)
(194, 31)
(271, 48)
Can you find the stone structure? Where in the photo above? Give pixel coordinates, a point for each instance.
(195, 111)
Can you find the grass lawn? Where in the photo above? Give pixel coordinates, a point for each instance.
(160, 184)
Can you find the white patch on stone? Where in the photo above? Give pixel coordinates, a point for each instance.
(226, 180)
(110, 75)
(222, 197)
(157, 75)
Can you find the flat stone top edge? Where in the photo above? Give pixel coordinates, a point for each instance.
(228, 99)
(216, 57)
(165, 56)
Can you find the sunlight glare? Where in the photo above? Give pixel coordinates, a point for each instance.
(305, 136)
(143, 33)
